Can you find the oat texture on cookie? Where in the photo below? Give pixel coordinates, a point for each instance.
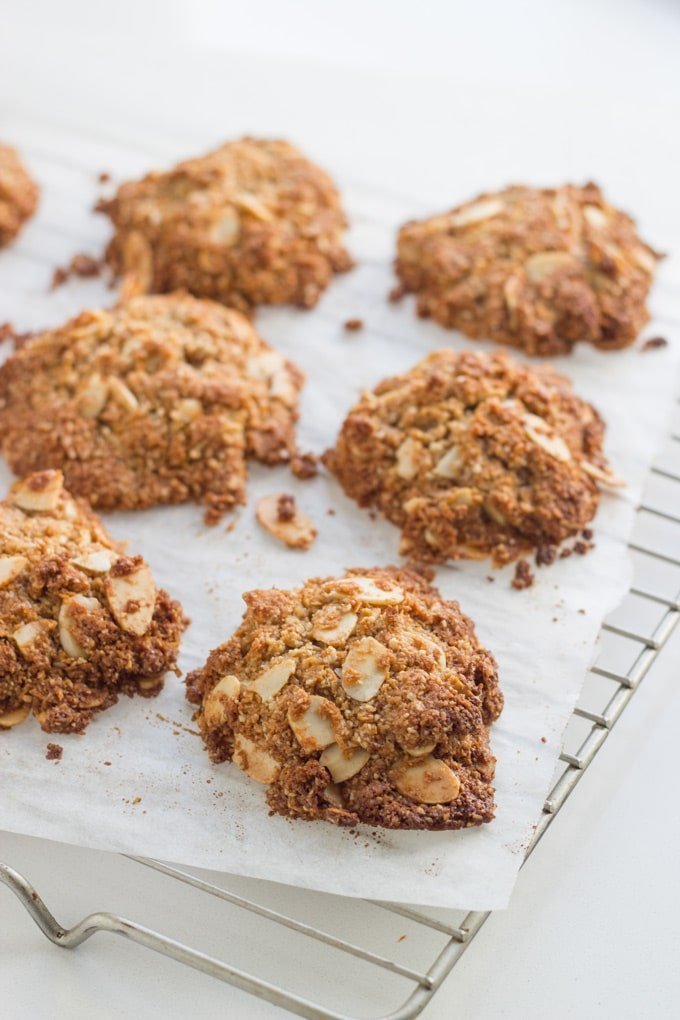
(18, 194)
(159, 400)
(81, 620)
(252, 223)
(474, 455)
(362, 698)
(539, 269)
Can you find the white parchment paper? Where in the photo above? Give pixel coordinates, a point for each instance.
(139, 780)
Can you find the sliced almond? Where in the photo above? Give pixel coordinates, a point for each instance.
(333, 795)
(428, 782)
(186, 410)
(484, 209)
(150, 683)
(93, 397)
(132, 599)
(645, 259)
(407, 459)
(313, 727)
(96, 561)
(216, 702)
(251, 204)
(365, 669)
(420, 752)
(545, 263)
(67, 612)
(342, 766)
(603, 475)
(227, 229)
(40, 491)
(10, 568)
(449, 465)
(297, 530)
(28, 633)
(282, 387)
(595, 216)
(369, 592)
(552, 444)
(123, 395)
(14, 717)
(270, 682)
(338, 632)
(255, 761)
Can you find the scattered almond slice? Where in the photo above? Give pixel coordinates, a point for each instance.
(132, 599)
(96, 561)
(270, 682)
(10, 568)
(255, 761)
(407, 459)
(428, 782)
(367, 591)
(645, 260)
(448, 466)
(66, 613)
(603, 475)
(595, 216)
(312, 726)
(215, 705)
(14, 717)
(279, 515)
(484, 209)
(93, 397)
(341, 766)
(28, 633)
(420, 752)
(186, 410)
(553, 445)
(227, 229)
(40, 491)
(365, 669)
(545, 263)
(336, 633)
(123, 395)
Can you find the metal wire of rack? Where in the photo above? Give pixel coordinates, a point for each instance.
(631, 641)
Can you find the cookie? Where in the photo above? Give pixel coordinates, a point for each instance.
(18, 194)
(159, 400)
(81, 621)
(474, 455)
(253, 223)
(365, 698)
(539, 269)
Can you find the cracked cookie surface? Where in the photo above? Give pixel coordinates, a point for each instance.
(364, 698)
(81, 621)
(252, 223)
(159, 400)
(539, 269)
(474, 455)
(18, 194)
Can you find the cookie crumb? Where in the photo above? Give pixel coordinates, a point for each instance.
(654, 343)
(285, 507)
(304, 466)
(524, 577)
(104, 177)
(9, 333)
(397, 293)
(544, 740)
(545, 555)
(354, 325)
(84, 266)
(54, 752)
(136, 800)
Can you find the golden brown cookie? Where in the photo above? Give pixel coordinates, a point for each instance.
(159, 400)
(80, 620)
(474, 455)
(539, 269)
(365, 698)
(252, 223)
(18, 194)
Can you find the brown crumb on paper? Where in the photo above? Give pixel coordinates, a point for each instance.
(354, 325)
(81, 265)
(304, 466)
(54, 752)
(654, 343)
(524, 577)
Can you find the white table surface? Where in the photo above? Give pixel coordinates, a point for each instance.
(592, 928)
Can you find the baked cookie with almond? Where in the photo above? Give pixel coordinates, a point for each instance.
(81, 621)
(253, 223)
(364, 698)
(474, 455)
(536, 268)
(159, 400)
(18, 194)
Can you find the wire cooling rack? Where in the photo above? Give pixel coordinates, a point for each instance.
(631, 640)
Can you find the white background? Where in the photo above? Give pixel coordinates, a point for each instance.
(592, 925)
